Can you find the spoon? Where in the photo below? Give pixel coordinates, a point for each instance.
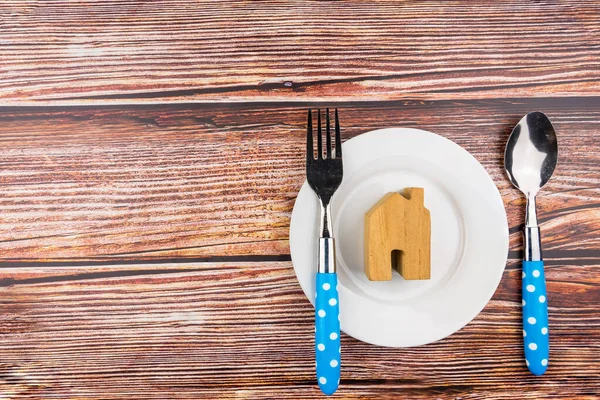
(529, 159)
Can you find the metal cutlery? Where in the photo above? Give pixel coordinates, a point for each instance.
(324, 175)
(529, 159)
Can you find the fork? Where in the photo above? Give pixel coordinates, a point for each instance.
(324, 176)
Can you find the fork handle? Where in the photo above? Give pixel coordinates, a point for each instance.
(535, 317)
(327, 333)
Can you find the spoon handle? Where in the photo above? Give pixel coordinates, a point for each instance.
(535, 317)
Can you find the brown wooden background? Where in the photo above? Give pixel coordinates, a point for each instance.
(151, 152)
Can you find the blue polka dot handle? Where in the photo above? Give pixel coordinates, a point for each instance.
(327, 333)
(535, 317)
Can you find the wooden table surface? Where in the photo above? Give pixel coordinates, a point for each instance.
(151, 153)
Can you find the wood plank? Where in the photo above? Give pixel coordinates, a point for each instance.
(132, 51)
(245, 330)
(170, 182)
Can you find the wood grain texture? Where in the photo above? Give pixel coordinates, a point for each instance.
(245, 331)
(92, 51)
(158, 183)
(144, 244)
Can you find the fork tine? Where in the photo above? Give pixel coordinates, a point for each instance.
(309, 139)
(338, 140)
(328, 133)
(319, 137)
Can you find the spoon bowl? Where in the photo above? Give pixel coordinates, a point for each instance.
(531, 153)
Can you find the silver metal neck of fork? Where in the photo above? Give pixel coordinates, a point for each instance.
(325, 229)
(326, 242)
(326, 256)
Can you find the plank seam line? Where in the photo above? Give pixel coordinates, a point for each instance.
(57, 106)
(180, 260)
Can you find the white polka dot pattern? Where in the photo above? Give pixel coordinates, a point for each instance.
(535, 317)
(327, 336)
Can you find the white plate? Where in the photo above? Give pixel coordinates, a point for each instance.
(469, 238)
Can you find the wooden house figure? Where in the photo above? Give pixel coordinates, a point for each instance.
(398, 235)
